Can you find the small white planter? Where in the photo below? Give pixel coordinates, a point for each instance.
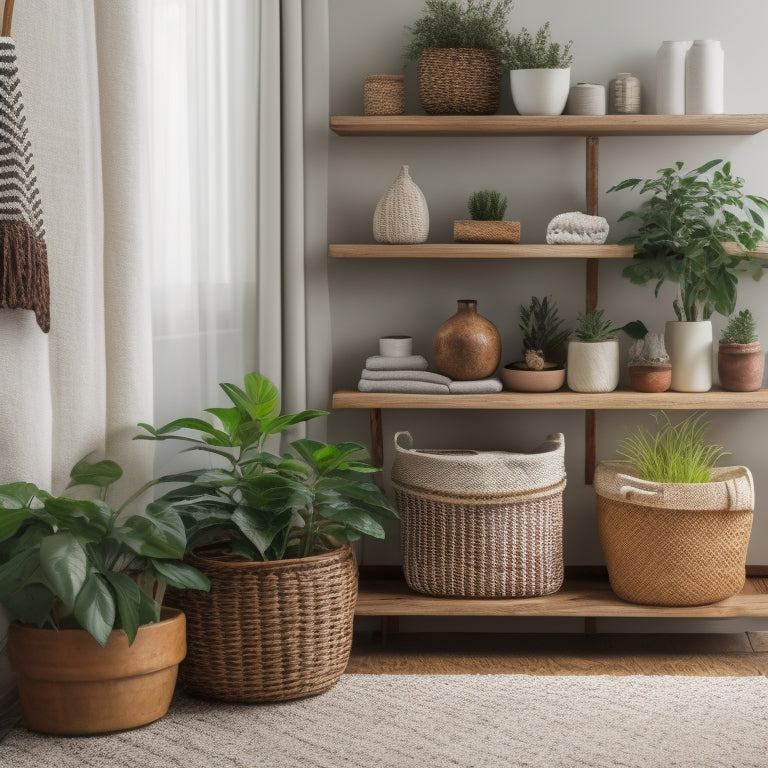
(540, 91)
(593, 366)
(690, 351)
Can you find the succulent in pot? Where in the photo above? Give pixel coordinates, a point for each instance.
(740, 359)
(486, 224)
(649, 367)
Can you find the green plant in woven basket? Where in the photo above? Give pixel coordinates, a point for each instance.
(741, 329)
(674, 453)
(593, 326)
(527, 51)
(543, 333)
(487, 205)
(460, 24)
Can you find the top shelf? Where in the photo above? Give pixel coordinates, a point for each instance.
(549, 125)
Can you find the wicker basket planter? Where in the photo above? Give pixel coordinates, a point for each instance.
(674, 543)
(481, 524)
(268, 631)
(474, 231)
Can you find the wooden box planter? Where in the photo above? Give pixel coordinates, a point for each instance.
(475, 231)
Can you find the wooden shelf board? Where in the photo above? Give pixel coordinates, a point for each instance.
(478, 251)
(581, 598)
(558, 125)
(620, 399)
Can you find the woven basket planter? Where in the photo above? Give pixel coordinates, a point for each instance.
(481, 524)
(474, 231)
(459, 81)
(268, 631)
(674, 543)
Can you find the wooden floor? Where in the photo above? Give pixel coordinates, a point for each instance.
(561, 654)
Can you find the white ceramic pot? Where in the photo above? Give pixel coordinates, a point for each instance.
(593, 366)
(540, 91)
(690, 351)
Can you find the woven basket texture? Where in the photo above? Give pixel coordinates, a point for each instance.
(268, 631)
(481, 524)
(459, 81)
(384, 95)
(669, 548)
(473, 231)
(401, 215)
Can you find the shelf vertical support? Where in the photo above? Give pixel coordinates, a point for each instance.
(592, 193)
(377, 442)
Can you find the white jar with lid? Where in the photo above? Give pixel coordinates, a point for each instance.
(704, 69)
(670, 77)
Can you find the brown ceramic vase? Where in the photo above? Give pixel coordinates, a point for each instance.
(467, 346)
(650, 377)
(740, 366)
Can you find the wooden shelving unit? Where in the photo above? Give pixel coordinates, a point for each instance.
(477, 251)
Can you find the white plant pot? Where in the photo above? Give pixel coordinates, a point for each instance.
(690, 351)
(540, 91)
(593, 366)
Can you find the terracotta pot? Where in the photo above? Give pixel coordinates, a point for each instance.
(650, 377)
(68, 684)
(740, 366)
(518, 377)
(467, 346)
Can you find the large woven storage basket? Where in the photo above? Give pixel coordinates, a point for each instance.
(268, 631)
(674, 543)
(481, 524)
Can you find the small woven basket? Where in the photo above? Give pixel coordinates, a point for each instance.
(474, 231)
(481, 524)
(674, 543)
(459, 81)
(384, 95)
(268, 631)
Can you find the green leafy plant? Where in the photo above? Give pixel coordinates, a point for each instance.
(741, 329)
(69, 563)
(526, 51)
(460, 24)
(487, 205)
(592, 326)
(696, 230)
(649, 350)
(543, 333)
(260, 505)
(675, 453)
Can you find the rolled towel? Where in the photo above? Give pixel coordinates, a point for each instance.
(578, 228)
(476, 387)
(402, 386)
(404, 363)
(435, 378)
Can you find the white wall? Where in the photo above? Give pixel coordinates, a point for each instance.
(541, 177)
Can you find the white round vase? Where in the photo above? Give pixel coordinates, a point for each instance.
(593, 366)
(540, 91)
(689, 345)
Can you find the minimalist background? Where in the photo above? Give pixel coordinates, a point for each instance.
(541, 178)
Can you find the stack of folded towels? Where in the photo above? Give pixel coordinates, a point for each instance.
(409, 374)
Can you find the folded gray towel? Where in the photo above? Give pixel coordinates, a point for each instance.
(477, 387)
(435, 378)
(404, 363)
(402, 385)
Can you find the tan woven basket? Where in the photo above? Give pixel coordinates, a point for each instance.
(384, 95)
(674, 544)
(474, 231)
(481, 524)
(268, 631)
(459, 81)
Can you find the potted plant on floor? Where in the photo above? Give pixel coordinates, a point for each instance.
(272, 533)
(90, 649)
(486, 225)
(740, 359)
(540, 72)
(696, 230)
(674, 528)
(593, 352)
(544, 339)
(459, 45)
(649, 367)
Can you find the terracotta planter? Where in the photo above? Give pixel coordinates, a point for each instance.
(650, 377)
(740, 366)
(68, 684)
(518, 377)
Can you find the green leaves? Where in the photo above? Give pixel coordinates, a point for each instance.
(527, 51)
(101, 473)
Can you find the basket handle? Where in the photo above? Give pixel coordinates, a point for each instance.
(407, 439)
(7, 18)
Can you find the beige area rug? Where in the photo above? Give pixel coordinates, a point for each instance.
(432, 721)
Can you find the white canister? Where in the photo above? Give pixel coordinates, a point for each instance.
(670, 77)
(690, 351)
(395, 346)
(704, 83)
(586, 99)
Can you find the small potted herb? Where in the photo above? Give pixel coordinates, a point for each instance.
(649, 367)
(740, 359)
(486, 225)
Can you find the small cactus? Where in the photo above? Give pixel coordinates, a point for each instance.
(741, 329)
(593, 327)
(649, 349)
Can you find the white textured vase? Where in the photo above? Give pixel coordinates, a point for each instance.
(704, 71)
(593, 366)
(540, 91)
(401, 216)
(670, 77)
(690, 351)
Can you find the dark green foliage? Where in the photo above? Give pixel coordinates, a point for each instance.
(487, 205)
(592, 326)
(537, 52)
(741, 329)
(683, 231)
(542, 328)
